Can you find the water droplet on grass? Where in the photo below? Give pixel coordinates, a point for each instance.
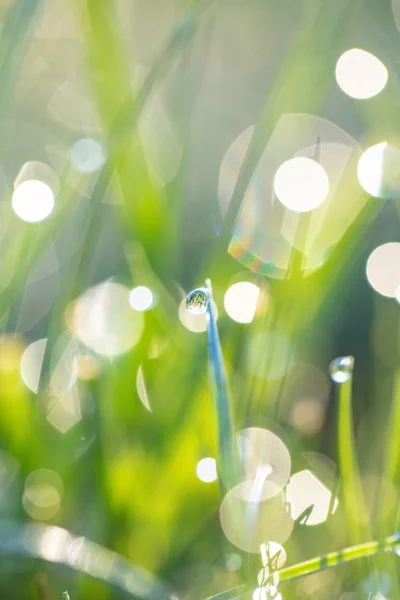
(197, 301)
(341, 369)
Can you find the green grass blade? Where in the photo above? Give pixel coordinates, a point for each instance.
(391, 462)
(320, 563)
(351, 489)
(227, 451)
(334, 559)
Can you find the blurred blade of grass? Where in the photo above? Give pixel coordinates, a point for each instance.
(21, 539)
(15, 35)
(144, 213)
(391, 460)
(351, 488)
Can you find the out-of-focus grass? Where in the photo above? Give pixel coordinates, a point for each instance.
(129, 475)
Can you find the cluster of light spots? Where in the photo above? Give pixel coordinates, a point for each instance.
(309, 499)
(103, 320)
(87, 155)
(383, 269)
(341, 369)
(35, 187)
(301, 184)
(264, 455)
(31, 364)
(241, 301)
(247, 522)
(42, 495)
(378, 171)
(206, 470)
(197, 323)
(360, 74)
(141, 298)
(307, 415)
(142, 389)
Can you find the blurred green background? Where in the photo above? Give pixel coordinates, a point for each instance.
(130, 111)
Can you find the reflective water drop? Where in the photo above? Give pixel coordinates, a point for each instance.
(197, 300)
(341, 368)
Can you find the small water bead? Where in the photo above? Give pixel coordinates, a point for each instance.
(197, 301)
(341, 369)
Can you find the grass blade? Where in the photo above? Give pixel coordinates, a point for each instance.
(320, 563)
(351, 489)
(228, 454)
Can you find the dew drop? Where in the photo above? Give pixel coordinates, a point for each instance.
(197, 301)
(341, 369)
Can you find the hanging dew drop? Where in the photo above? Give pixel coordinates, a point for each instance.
(341, 369)
(197, 301)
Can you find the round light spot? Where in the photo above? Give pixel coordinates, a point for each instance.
(35, 170)
(141, 298)
(265, 459)
(233, 562)
(206, 470)
(33, 201)
(241, 301)
(266, 462)
(383, 269)
(360, 74)
(308, 416)
(87, 155)
(309, 499)
(42, 496)
(301, 184)
(248, 523)
(104, 321)
(378, 171)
